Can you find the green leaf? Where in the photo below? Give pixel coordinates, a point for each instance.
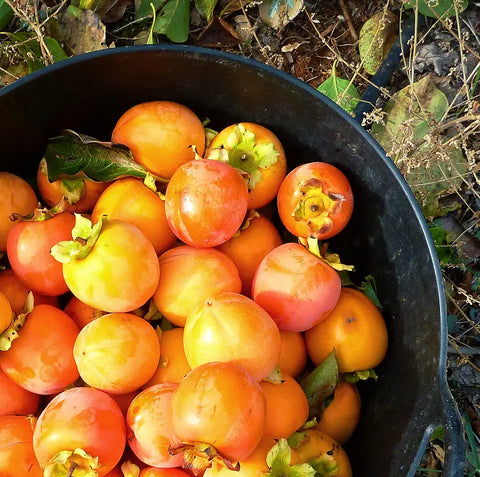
(55, 49)
(445, 252)
(29, 49)
(341, 91)
(363, 375)
(320, 384)
(369, 288)
(145, 8)
(438, 8)
(174, 20)
(375, 40)
(6, 14)
(71, 153)
(205, 8)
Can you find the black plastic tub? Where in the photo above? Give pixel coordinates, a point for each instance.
(387, 236)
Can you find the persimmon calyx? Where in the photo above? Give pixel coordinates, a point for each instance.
(316, 205)
(198, 456)
(279, 459)
(325, 466)
(40, 215)
(129, 469)
(332, 259)
(363, 375)
(11, 333)
(251, 214)
(75, 463)
(276, 376)
(84, 236)
(242, 152)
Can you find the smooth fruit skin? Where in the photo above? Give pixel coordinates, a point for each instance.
(80, 312)
(357, 331)
(156, 472)
(149, 426)
(15, 399)
(117, 353)
(173, 364)
(16, 292)
(189, 275)
(81, 418)
(130, 200)
(248, 247)
(296, 288)
(16, 196)
(16, 449)
(28, 249)
(267, 187)
(333, 197)
(41, 358)
(159, 134)
(318, 444)
(206, 202)
(340, 418)
(230, 327)
(222, 405)
(5, 313)
(255, 465)
(293, 353)
(287, 407)
(119, 274)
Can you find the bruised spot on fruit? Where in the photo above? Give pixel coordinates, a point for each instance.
(351, 319)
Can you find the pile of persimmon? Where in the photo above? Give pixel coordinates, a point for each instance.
(154, 321)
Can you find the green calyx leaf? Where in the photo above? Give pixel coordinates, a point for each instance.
(362, 375)
(11, 333)
(320, 384)
(340, 90)
(75, 463)
(72, 189)
(333, 259)
(72, 153)
(84, 236)
(278, 461)
(245, 154)
(325, 466)
(129, 469)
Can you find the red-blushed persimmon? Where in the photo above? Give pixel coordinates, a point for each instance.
(80, 312)
(156, 472)
(287, 407)
(206, 202)
(255, 465)
(5, 313)
(41, 357)
(326, 451)
(258, 152)
(117, 353)
(160, 135)
(78, 193)
(16, 197)
(83, 429)
(16, 448)
(256, 237)
(295, 287)
(357, 331)
(340, 418)
(315, 200)
(173, 364)
(149, 426)
(15, 399)
(231, 327)
(16, 292)
(130, 200)
(120, 271)
(124, 400)
(28, 249)
(293, 353)
(218, 412)
(189, 275)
